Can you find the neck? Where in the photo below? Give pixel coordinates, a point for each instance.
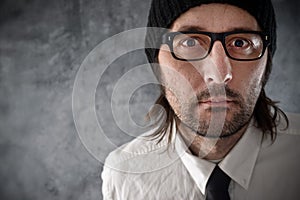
(207, 147)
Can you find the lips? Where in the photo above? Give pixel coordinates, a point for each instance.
(220, 101)
(216, 100)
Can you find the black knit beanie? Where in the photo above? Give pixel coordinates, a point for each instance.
(164, 12)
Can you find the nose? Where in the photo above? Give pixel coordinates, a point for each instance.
(217, 66)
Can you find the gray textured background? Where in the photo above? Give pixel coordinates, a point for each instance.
(42, 44)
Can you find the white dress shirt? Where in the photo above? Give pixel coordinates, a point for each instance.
(260, 170)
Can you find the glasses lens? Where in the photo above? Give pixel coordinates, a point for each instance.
(191, 46)
(244, 45)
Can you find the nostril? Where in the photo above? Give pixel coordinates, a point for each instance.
(218, 79)
(210, 79)
(227, 78)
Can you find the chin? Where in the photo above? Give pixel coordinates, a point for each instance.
(218, 122)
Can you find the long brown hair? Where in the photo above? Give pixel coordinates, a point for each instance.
(267, 114)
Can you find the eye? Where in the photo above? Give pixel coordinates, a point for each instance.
(244, 45)
(190, 42)
(240, 43)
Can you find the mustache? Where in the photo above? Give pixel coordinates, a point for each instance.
(219, 91)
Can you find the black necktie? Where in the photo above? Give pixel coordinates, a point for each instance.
(217, 185)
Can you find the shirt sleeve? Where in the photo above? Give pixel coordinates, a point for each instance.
(107, 184)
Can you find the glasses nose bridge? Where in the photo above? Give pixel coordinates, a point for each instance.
(217, 37)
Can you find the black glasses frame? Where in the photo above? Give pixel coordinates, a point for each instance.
(168, 38)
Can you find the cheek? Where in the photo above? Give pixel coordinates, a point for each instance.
(249, 77)
(257, 73)
(176, 83)
(178, 79)
(177, 75)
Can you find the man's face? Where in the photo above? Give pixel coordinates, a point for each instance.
(216, 86)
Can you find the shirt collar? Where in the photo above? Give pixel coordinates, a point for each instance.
(238, 163)
(199, 169)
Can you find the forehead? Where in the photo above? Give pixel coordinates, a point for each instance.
(215, 17)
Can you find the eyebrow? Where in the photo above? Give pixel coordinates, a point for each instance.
(190, 28)
(198, 28)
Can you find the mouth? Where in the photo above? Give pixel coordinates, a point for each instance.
(217, 102)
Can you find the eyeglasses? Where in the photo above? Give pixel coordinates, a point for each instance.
(195, 45)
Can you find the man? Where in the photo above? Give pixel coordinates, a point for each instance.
(221, 137)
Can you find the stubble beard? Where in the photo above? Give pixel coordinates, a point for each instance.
(219, 124)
